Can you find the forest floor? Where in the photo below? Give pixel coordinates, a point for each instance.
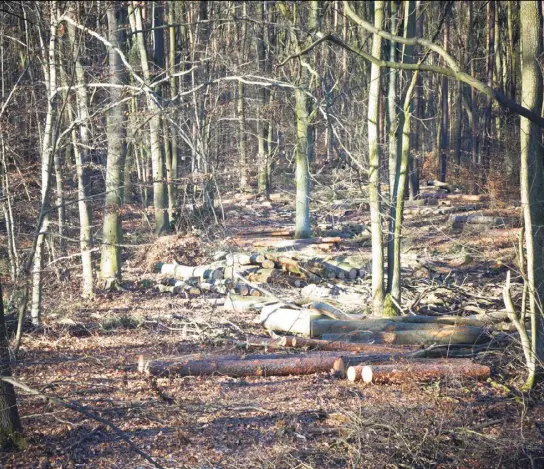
(312, 421)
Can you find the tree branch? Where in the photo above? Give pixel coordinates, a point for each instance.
(453, 70)
(82, 410)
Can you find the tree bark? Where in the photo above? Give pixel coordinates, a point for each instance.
(418, 371)
(80, 146)
(162, 224)
(110, 258)
(375, 163)
(532, 177)
(47, 155)
(10, 424)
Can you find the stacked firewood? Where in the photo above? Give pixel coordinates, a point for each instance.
(227, 274)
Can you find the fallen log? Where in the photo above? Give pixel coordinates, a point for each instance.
(417, 371)
(477, 320)
(469, 197)
(259, 365)
(181, 287)
(283, 318)
(239, 304)
(183, 272)
(339, 345)
(410, 335)
(340, 267)
(487, 220)
(280, 317)
(426, 201)
(232, 272)
(279, 233)
(297, 242)
(329, 310)
(460, 208)
(268, 343)
(268, 264)
(244, 259)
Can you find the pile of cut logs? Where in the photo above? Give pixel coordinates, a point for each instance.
(234, 273)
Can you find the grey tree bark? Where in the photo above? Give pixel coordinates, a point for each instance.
(375, 163)
(81, 142)
(47, 155)
(10, 423)
(162, 224)
(532, 177)
(110, 261)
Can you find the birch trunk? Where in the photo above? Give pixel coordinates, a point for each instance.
(47, 155)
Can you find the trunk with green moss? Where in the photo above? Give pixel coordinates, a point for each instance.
(375, 163)
(532, 176)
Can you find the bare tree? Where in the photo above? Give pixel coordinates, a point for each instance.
(110, 261)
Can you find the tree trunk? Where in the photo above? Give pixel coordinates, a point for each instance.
(242, 139)
(265, 98)
(422, 370)
(303, 150)
(47, 156)
(375, 163)
(162, 224)
(173, 163)
(10, 424)
(81, 156)
(392, 98)
(110, 261)
(532, 177)
(279, 365)
(401, 176)
(445, 115)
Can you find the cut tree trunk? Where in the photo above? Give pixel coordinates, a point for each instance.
(329, 310)
(239, 304)
(298, 242)
(279, 317)
(244, 259)
(184, 272)
(242, 367)
(327, 345)
(414, 334)
(485, 220)
(260, 365)
(417, 371)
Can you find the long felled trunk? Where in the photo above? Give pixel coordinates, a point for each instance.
(110, 262)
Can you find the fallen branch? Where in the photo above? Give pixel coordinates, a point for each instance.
(82, 410)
